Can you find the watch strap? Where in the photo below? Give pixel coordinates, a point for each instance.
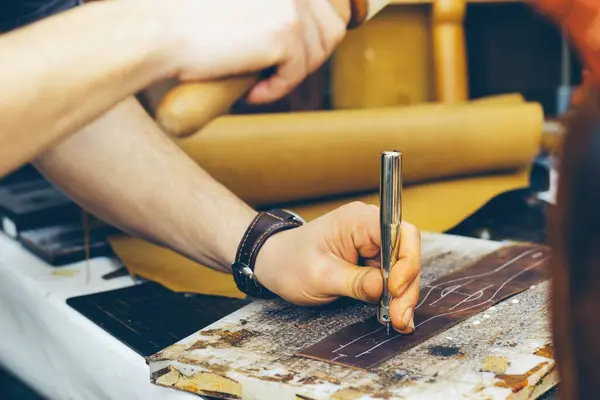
(262, 227)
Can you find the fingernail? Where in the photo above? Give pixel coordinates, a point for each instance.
(412, 323)
(402, 289)
(408, 318)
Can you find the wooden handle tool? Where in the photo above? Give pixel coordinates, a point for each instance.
(190, 106)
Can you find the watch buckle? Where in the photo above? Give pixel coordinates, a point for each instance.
(244, 270)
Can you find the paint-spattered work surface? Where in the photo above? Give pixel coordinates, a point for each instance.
(503, 352)
(442, 304)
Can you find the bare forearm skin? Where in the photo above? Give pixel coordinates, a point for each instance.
(60, 73)
(127, 172)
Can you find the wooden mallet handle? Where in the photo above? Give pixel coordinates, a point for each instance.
(190, 106)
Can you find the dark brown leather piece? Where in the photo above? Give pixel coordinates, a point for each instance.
(442, 304)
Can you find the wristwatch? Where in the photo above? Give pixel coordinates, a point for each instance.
(262, 227)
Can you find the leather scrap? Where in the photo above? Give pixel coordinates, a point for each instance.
(442, 304)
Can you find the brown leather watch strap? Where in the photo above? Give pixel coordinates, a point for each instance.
(264, 225)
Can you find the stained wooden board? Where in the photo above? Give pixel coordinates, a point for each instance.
(502, 353)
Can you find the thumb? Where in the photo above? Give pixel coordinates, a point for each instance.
(361, 283)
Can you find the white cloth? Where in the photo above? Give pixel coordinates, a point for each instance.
(53, 348)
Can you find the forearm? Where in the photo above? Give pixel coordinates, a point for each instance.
(63, 72)
(127, 172)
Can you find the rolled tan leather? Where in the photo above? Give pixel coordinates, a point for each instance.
(507, 98)
(277, 158)
(434, 206)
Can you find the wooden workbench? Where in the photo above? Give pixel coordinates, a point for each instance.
(503, 353)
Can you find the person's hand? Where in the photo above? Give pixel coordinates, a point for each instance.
(207, 39)
(320, 261)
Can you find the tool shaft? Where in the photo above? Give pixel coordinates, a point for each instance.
(390, 197)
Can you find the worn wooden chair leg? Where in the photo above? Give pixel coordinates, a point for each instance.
(449, 50)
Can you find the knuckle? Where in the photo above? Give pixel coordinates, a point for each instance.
(277, 51)
(412, 229)
(284, 34)
(354, 206)
(358, 287)
(289, 24)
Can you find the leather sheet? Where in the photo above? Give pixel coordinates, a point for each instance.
(277, 158)
(442, 304)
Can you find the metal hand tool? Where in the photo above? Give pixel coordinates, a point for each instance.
(390, 209)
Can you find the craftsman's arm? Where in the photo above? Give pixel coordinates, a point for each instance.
(61, 73)
(123, 169)
(127, 172)
(50, 69)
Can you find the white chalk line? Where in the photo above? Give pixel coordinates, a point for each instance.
(338, 357)
(449, 290)
(479, 295)
(506, 264)
(356, 340)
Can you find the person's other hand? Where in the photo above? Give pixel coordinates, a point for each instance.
(319, 262)
(207, 39)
